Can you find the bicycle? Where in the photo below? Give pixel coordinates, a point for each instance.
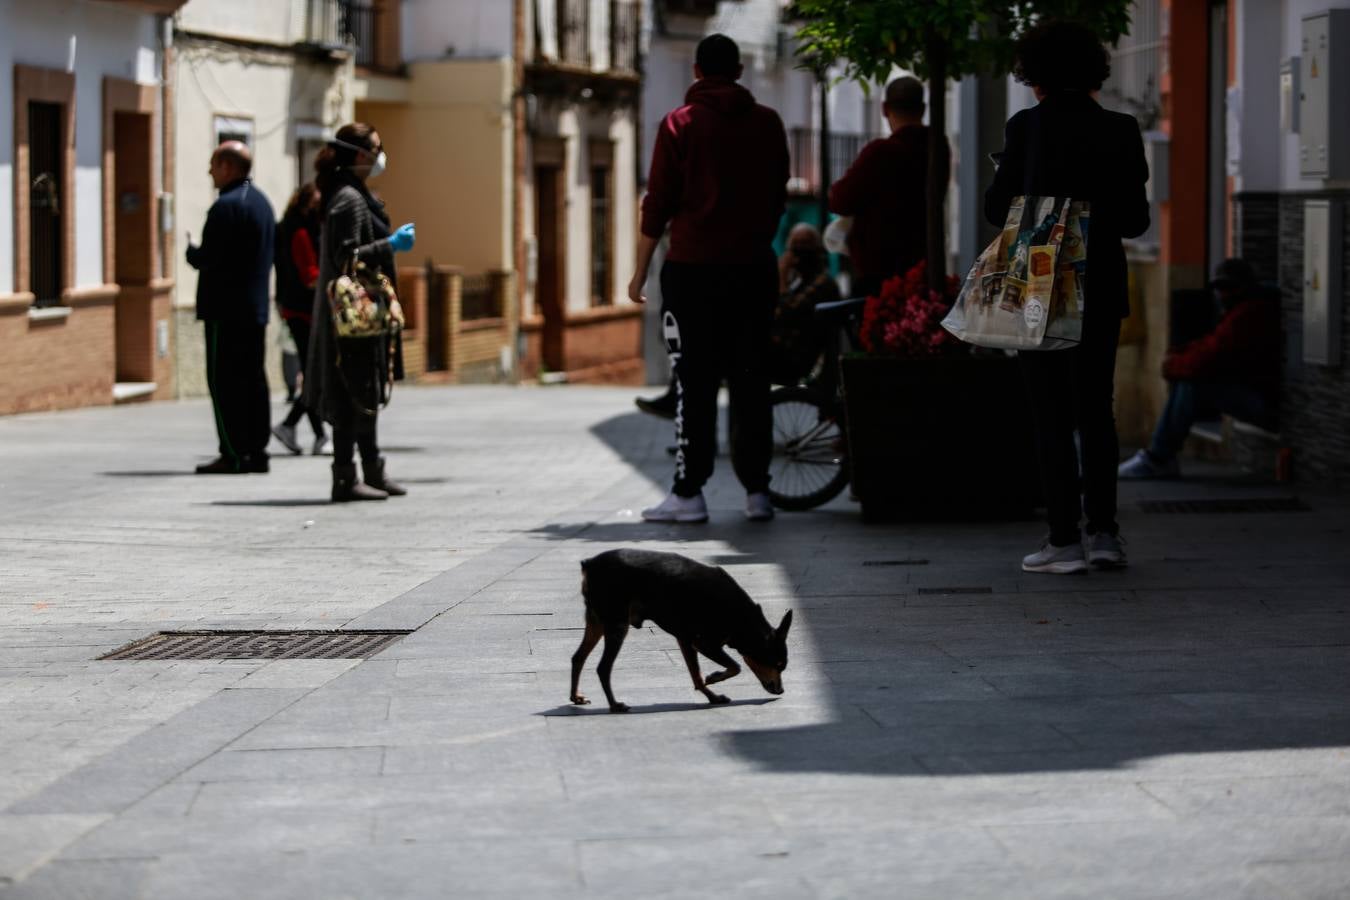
(810, 464)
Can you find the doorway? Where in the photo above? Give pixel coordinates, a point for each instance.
(133, 245)
(549, 233)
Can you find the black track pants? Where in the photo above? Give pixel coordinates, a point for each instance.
(238, 385)
(716, 321)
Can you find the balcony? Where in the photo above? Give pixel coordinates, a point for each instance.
(625, 37)
(570, 60)
(369, 29)
(574, 31)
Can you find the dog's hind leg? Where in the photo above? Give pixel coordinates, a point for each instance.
(594, 631)
(614, 636)
(730, 668)
(691, 660)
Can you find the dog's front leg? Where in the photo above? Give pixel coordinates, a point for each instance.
(691, 660)
(730, 668)
(614, 636)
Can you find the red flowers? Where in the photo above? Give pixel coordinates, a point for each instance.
(906, 320)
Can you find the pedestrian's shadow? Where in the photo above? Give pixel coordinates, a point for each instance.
(571, 709)
(285, 502)
(150, 473)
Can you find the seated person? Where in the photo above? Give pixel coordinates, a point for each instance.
(803, 281)
(1235, 369)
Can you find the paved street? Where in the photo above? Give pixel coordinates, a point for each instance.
(950, 727)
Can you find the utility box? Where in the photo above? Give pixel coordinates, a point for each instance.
(1322, 247)
(1324, 96)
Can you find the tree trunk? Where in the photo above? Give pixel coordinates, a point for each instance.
(936, 57)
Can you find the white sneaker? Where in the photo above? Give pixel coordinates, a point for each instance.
(758, 507)
(1142, 465)
(1052, 560)
(320, 444)
(286, 434)
(678, 509)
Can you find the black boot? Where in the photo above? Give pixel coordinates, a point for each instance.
(346, 487)
(374, 472)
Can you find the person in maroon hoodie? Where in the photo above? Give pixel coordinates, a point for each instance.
(1235, 369)
(719, 180)
(885, 190)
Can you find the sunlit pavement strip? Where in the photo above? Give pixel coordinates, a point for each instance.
(1180, 729)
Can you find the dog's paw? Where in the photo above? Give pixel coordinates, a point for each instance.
(618, 707)
(718, 699)
(721, 676)
(579, 700)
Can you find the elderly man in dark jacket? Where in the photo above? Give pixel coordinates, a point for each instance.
(1069, 146)
(234, 262)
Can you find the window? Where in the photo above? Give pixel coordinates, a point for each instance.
(44, 202)
(602, 224)
(234, 128)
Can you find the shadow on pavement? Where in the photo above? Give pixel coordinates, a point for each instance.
(601, 708)
(285, 502)
(1229, 633)
(150, 473)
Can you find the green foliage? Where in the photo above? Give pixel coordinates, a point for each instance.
(962, 37)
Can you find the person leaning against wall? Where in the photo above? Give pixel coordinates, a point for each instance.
(1069, 146)
(347, 381)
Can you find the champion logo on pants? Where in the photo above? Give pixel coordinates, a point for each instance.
(670, 330)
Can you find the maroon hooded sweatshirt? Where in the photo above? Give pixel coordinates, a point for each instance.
(719, 176)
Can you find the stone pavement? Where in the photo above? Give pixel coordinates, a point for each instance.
(951, 727)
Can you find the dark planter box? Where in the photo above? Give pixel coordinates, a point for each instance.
(945, 437)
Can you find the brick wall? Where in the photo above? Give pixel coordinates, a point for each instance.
(1315, 400)
(56, 363)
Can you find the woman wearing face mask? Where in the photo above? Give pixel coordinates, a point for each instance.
(346, 383)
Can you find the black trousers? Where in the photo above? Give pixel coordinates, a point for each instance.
(237, 379)
(300, 333)
(1073, 390)
(716, 321)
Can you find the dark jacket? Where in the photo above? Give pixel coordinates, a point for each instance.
(295, 296)
(1244, 348)
(1068, 146)
(886, 190)
(352, 220)
(234, 258)
(719, 176)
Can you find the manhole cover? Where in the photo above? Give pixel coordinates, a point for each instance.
(1225, 505)
(258, 645)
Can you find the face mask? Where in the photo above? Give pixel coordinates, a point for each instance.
(377, 167)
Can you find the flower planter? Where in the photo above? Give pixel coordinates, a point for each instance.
(940, 437)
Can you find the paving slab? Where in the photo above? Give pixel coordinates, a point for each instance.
(952, 727)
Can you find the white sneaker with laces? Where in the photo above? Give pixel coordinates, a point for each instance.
(758, 507)
(1142, 466)
(1053, 560)
(286, 434)
(674, 508)
(1107, 551)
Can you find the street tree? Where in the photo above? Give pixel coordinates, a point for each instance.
(937, 40)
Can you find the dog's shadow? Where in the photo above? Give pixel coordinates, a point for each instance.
(571, 709)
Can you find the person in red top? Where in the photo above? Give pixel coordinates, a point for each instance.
(885, 190)
(719, 181)
(1233, 370)
(297, 265)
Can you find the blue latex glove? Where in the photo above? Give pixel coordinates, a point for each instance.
(402, 241)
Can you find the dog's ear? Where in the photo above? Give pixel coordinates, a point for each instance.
(783, 626)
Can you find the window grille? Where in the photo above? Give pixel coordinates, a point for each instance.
(45, 202)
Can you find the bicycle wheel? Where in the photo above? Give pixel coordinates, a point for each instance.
(810, 452)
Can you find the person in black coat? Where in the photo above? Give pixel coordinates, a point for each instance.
(348, 380)
(1069, 146)
(234, 262)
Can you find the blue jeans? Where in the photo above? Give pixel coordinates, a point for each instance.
(1189, 401)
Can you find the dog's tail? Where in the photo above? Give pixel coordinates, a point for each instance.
(591, 617)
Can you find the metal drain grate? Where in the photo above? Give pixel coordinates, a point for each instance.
(1225, 505)
(258, 645)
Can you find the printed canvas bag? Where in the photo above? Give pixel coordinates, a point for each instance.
(363, 303)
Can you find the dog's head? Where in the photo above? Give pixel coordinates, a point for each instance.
(769, 659)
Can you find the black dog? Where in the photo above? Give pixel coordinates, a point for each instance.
(702, 606)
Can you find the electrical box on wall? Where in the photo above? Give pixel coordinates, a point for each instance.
(1324, 93)
(1322, 248)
